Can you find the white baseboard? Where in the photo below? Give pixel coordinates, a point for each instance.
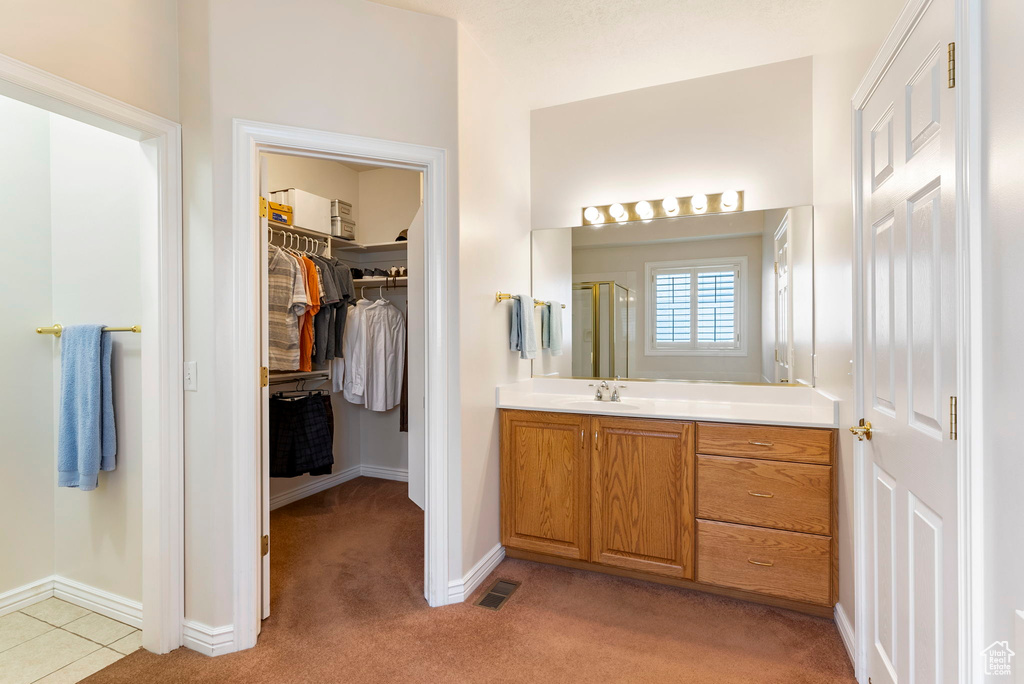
(317, 484)
(323, 482)
(98, 601)
(460, 590)
(845, 632)
(211, 641)
(381, 473)
(25, 595)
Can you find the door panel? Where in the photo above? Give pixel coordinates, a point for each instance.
(643, 495)
(545, 479)
(909, 364)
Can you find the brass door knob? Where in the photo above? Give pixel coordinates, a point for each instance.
(862, 430)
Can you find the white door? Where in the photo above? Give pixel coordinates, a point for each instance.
(264, 396)
(909, 369)
(783, 305)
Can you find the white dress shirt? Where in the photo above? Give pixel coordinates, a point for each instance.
(354, 350)
(385, 355)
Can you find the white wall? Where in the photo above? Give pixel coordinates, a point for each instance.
(627, 265)
(1001, 195)
(856, 31)
(96, 205)
(122, 48)
(323, 177)
(746, 130)
(26, 416)
(388, 201)
(403, 86)
(494, 244)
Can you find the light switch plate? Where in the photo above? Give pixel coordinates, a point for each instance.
(190, 376)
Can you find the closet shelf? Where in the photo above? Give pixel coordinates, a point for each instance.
(303, 231)
(357, 248)
(277, 377)
(402, 281)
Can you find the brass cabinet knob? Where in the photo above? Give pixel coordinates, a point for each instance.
(863, 430)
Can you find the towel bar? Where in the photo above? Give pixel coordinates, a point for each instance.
(56, 329)
(500, 296)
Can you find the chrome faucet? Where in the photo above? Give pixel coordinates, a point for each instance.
(601, 389)
(615, 389)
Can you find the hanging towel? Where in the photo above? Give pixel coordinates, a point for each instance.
(523, 335)
(553, 334)
(545, 327)
(87, 441)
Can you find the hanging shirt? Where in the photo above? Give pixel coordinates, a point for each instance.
(286, 302)
(385, 355)
(354, 346)
(307, 335)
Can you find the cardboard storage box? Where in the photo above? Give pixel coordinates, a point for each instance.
(309, 211)
(280, 213)
(342, 209)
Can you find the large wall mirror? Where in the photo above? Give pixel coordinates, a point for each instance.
(717, 297)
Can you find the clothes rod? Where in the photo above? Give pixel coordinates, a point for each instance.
(56, 329)
(500, 296)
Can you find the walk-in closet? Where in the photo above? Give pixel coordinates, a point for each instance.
(336, 306)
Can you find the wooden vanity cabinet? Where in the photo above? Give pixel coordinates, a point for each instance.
(642, 495)
(748, 511)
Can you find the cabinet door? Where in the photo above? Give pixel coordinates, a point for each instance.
(642, 509)
(545, 483)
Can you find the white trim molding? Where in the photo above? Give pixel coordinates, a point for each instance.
(98, 601)
(26, 595)
(382, 473)
(314, 486)
(250, 138)
(846, 632)
(211, 641)
(969, 277)
(163, 523)
(460, 590)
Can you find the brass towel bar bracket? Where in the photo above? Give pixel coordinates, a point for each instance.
(501, 296)
(56, 329)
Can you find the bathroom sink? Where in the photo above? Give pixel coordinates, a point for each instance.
(594, 405)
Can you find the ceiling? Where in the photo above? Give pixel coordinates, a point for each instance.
(558, 51)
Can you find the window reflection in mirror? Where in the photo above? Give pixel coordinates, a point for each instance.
(726, 297)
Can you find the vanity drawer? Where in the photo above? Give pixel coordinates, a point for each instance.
(789, 565)
(787, 496)
(806, 445)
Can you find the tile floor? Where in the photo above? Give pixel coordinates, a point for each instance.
(56, 642)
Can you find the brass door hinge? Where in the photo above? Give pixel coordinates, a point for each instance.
(776, 268)
(265, 545)
(952, 418)
(264, 376)
(263, 208)
(951, 67)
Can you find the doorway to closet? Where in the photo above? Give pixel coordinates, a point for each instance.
(336, 299)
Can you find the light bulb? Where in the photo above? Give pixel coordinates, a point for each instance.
(699, 203)
(592, 214)
(670, 205)
(617, 211)
(644, 209)
(730, 200)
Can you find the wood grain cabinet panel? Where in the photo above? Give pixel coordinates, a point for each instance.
(786, 496)
(806, 445)
(642, 507)
(789, 565)
(545, 481)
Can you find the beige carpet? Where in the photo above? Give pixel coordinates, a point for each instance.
(347, 606)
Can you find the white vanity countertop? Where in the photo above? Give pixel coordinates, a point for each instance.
(790, 405)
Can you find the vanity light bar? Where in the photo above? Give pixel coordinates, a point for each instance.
(669, 207)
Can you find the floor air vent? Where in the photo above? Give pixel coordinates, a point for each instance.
(497, 595)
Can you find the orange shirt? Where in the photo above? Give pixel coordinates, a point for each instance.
(306, 326)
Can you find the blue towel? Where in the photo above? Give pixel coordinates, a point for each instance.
(87, 441)
(523, 334)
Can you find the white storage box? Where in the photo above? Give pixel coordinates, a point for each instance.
(309, 211)
(343, 228)
(342, 209)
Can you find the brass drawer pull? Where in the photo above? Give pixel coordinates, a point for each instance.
(763, 495)
(762, 563)
(756, 443)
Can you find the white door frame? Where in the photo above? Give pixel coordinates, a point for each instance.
(163, 528)
(251, 138)
(967, 27)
